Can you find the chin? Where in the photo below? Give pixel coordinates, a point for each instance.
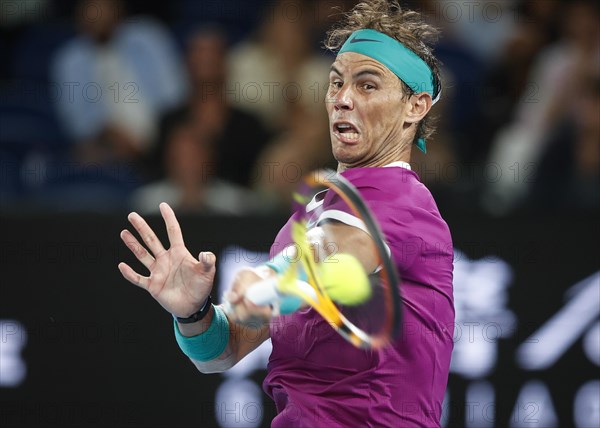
(347, 153)
(345, 158)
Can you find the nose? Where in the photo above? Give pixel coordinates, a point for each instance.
(343, 99)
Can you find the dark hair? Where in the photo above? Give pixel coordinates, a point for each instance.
(406, 26)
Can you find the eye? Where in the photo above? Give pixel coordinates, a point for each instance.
(368, 86)
(337, 84)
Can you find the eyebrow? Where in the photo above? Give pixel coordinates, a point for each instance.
(369, 71)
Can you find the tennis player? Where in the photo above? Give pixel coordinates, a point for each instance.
(381, 88)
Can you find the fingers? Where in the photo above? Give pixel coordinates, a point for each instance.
(173, 228)
(146, 233)
(233, 297)
(243, 311)
(134, 277)
(137, 249)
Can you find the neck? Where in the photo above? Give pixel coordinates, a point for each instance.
(400, 155)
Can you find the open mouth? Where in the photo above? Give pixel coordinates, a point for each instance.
(346, 132)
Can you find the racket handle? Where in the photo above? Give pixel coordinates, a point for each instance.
(265, 292)
(260, 293)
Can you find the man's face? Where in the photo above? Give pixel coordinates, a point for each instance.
(206, 59)
(366, 112)
(99, 18)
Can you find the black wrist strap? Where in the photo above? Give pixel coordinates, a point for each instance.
(198, 315)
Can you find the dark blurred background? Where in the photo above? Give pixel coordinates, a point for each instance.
(109, 105)
(217, 107)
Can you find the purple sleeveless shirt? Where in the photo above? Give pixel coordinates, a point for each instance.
(317, 379)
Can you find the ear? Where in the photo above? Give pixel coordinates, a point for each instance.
(418, 107)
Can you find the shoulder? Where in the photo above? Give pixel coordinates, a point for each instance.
(398, 199)
(73, 51)
(393, 175)
(392, 185)
(141, 29)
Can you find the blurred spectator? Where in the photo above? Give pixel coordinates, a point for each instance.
(325, 14)
(190, 184)
(557, 75)
(279, 75)
(303, 147)
(480, 27)
(237, 18)
(279, 65)
(569, 170)
(116, 77)
(238, 136)
(463, 69)
(542, 14)
(536, 26)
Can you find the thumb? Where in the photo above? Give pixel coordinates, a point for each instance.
(207, 259)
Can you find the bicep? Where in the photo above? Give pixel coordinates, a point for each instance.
(342, 238)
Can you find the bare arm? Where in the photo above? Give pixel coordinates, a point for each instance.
(246, 335)
(242, 340)
(351, 240)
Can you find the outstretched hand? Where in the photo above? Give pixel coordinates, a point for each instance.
(178, 281)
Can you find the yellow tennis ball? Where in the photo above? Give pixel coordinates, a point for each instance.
(344, 280)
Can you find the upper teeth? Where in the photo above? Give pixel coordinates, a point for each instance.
(343, 125)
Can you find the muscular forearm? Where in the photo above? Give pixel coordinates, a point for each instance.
(237, 347)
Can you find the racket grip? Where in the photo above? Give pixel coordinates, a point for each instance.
(265, 292)
(261, 293)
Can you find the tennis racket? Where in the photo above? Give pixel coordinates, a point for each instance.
(356, 290)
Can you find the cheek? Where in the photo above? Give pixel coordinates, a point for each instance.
(328, 107)
(382, 115)
(387, 113)
(330, 95)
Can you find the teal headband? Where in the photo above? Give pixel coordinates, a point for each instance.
(400, 60)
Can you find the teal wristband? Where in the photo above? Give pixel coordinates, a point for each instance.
(209, 344)
(280, 263)
(289, 304)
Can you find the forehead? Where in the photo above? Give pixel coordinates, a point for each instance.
(349, 63)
